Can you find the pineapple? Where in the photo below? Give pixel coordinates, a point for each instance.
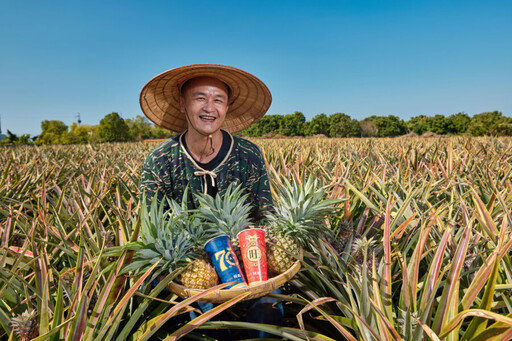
(94, 297)
(298, 217)
(109, 242)
(17, 240)
(199, 274)
(176, 238)
(69, 277)
(362, 248)
(228, 214)
(26, 325)
(282, 251)
(345, 236)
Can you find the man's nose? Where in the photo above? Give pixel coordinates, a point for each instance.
(208, 106)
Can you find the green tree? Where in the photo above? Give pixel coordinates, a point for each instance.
(268, 124)
(23, 139)
(460, 122)
(160, 133)
(139, 128)
(11, 137)
(113, 128)
(417, 124)
(502, 129)
(440, 125)
(318, 125)
(53, 132)
(387, 126)
(341, 125)
(484, 123)
(80, 133)
(293, 124)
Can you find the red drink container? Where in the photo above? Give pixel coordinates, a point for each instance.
(254, 255)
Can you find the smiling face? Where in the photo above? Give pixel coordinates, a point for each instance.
(205, 102)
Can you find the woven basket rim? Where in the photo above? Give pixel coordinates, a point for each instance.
(223, 295)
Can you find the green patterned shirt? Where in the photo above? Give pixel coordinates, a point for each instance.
(169, 169)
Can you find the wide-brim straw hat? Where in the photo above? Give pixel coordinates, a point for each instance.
(250, 98)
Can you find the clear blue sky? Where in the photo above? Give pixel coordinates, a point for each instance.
(362, 58)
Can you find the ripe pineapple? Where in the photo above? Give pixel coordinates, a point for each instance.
(228, 214)
(298, 217)
(282, 251)
(199, 274)
(26, 325)
(174, 236)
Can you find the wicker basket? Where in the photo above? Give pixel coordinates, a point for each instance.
(223, 295)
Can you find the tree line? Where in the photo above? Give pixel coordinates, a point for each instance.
(342, 125)
(114, 128)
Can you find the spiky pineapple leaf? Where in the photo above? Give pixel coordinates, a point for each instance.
(226, 214)
(165, 235)
(300, 210)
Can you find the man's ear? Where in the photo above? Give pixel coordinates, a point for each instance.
(182, 104)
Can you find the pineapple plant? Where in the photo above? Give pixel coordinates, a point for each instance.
(109, 242)
(200, 273)
(298, 217)
(25, 325)
(344, 237)
(228, 214)
(175, 237)
(362, 251)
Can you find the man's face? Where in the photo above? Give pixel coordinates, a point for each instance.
(205, 102)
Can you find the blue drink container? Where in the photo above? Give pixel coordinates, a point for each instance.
(224, 260)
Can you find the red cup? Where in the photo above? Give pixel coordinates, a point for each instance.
(254, 255)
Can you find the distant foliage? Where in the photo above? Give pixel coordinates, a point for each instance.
(385, 126)
(342, 125)
(487, 123)
(53, 132)
(113, 128)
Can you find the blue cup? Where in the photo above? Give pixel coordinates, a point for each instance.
(224, 260)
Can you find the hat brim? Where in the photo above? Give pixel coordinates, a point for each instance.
(250, 97)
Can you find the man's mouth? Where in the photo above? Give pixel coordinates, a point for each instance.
(207, 118)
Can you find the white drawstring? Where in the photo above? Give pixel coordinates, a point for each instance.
(204, 173)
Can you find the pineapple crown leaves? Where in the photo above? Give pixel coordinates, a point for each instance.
(25, 322)
(300, 209)
(226, 214)
(164, 234)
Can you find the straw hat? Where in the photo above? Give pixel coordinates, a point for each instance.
(250, 97)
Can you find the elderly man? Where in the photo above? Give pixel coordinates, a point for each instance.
(205, 103)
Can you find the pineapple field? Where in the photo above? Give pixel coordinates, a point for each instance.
(400, 239)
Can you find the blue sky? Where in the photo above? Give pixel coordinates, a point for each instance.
(362, 58)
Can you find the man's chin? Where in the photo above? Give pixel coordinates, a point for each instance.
(207, 130)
